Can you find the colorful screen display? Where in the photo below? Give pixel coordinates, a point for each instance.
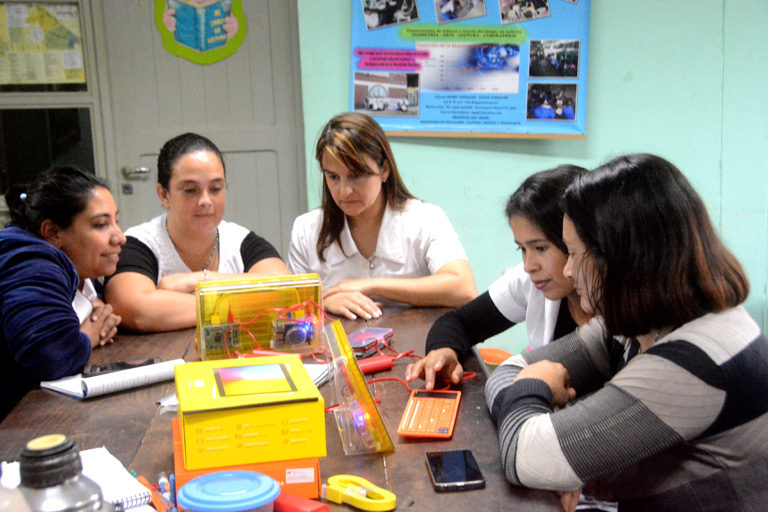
(253, 380)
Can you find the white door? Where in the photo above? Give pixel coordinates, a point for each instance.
(248, 104)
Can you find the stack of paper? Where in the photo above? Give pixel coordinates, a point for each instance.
(320, 373)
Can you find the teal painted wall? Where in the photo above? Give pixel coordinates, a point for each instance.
(687, 80)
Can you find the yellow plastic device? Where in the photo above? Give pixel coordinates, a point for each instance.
(360, 425)
(250, 410)
(358, 492)
(283, 313)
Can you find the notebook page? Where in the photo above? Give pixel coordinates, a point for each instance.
(81, 387)
(128, 379)
(117, 484)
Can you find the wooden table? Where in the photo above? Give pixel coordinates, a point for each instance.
(133, 428)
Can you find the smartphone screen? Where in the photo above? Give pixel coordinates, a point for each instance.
(100, 369)
(454, 470)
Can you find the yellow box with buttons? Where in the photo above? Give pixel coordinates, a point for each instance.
(241, 411)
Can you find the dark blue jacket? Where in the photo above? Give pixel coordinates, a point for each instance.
(40, 336)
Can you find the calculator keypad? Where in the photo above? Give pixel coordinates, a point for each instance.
(430, 414)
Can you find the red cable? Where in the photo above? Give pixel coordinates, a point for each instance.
(280, 312)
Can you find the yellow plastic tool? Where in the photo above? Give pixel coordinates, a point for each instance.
(358, 492)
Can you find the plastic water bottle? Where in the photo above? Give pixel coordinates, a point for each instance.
(52, 478)
(11, 500)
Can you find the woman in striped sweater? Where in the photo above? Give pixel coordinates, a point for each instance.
(670, 377)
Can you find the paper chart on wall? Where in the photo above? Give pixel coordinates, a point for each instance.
(40, 43)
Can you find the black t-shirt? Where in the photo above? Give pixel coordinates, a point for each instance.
(137, 257)
(478, 320)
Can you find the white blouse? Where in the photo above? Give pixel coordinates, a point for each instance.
(154, 234)
(414, 242)
(515, 296)
(83, 301)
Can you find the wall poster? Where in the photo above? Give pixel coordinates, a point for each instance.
(478, 68)
(40, 43)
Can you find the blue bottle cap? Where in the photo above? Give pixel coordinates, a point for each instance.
(228, 491)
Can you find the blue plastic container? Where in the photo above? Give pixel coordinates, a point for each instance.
(229, 491)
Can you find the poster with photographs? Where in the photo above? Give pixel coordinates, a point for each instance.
(496, 68)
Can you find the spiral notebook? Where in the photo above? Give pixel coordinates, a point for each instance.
(117, 484)
(81, 387)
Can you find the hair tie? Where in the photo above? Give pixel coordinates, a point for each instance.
(23, 196)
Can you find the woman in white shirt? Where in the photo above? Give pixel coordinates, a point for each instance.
(371, 237)
(166, 257)
(535, 292)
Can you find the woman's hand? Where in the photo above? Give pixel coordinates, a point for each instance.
(348, 285)
(351, 304)
(183, 282)
(109, 320)
(569, 500)
(101, 324)
(440, 363)
(556, 377)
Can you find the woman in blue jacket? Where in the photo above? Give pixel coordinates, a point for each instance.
(63, 231)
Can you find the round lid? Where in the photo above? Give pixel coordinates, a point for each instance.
(228, 491)
(46, 442)
(49, 460)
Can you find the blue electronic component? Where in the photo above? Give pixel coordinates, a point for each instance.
(292, 333)
(298, 334)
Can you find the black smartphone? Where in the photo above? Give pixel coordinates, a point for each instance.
(454, 470)
(91, 370)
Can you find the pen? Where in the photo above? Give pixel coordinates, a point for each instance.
(173, 490)
(165, 485)
(158, 501)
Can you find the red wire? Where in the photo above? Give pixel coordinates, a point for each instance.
(314, 354)
(280, 313)
(395, 379)
(467, 376)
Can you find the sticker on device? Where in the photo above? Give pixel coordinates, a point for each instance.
(299, 476)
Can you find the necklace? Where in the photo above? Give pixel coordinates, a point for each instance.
(210, 255)
(213, 250)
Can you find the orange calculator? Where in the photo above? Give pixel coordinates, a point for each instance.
(430, 414)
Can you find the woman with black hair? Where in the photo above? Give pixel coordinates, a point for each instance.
(535, 292)
(63, 232)
(672, 412)
(165, 258)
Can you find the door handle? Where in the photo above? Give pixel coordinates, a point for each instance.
(135, 173)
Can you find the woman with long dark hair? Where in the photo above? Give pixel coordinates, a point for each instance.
(671, 376)
(371, 237)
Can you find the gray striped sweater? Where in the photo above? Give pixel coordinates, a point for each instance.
(682, 426)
